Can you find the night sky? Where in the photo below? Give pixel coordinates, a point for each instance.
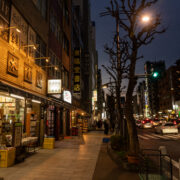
(165, 47)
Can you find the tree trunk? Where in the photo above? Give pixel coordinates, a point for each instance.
(133, 138)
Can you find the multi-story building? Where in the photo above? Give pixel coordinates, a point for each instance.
(152, 85)
(141, 89)
(169, 88)
(85, 58)
(36, 66)
(100, 94)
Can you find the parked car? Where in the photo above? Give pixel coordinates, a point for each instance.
(167, 128)
(138, 123)
(147, 123)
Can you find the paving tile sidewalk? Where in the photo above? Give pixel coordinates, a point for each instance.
(106, 169)
(72, 159)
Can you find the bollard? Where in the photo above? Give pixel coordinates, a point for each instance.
(163, 151)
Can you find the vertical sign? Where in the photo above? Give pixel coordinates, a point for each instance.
(18, 39)
(77, 72)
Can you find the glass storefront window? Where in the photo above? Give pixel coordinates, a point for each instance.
(11, 111)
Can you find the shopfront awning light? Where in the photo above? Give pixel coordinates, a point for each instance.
(4, 93)
(36, 101)
(16, 96)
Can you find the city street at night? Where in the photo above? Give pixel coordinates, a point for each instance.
(89, 89)
(149, 140)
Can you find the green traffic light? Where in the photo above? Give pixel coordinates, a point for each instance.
(155, 74)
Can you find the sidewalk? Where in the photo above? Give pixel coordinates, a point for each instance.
(72, 159)
(106, 169)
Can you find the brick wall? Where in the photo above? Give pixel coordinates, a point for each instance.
(19, 81)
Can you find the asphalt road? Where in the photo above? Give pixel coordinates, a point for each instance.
(149, 140)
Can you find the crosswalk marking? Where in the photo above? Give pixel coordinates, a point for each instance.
(152, 137)
(159, 136)
(155, 136)
(142, 137)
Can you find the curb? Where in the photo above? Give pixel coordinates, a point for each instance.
(121, 163)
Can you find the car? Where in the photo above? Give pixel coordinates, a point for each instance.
(156, 122)
(138, 123)
(176, 122)
(167, 128)
(147, 123)
(162, 121)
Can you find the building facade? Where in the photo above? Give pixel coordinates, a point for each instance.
(37, 67)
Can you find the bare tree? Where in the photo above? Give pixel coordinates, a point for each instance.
(117, 69)
(127, 14)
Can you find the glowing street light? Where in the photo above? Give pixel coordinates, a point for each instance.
(145, 18)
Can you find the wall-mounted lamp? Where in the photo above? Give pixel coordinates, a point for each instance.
(31, 45)
(14, 27)
(41, 58)
(55, 67)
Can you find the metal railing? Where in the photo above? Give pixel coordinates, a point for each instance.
(153, 166)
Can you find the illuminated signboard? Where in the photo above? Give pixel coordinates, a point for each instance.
(95, 95)
(67, 97)
(77, 72)
(54, 86)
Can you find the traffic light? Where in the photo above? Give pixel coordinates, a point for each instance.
(155, 74)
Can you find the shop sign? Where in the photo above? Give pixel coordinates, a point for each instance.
(38, 79)
(12, 65)
(67, 97)
(95, 95)
(77, 71)
(18, 39)
(54, 86)
(27, 73)
(17, 134)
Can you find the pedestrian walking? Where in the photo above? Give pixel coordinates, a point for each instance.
(106, 127)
